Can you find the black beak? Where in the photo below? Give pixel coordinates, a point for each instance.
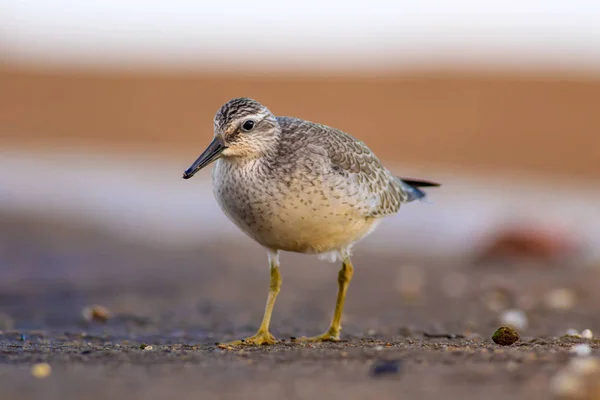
(212, 153)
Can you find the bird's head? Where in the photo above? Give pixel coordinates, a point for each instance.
(243, 128)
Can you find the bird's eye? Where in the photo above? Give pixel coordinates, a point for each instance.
(248, 125)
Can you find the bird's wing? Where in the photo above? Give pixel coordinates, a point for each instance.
(362, 177)
(369, 176)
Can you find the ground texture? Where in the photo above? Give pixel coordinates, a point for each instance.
(414, 327)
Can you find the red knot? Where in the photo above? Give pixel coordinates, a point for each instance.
(295, 185)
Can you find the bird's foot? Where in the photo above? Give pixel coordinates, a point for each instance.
(329, 336)
(261, 338)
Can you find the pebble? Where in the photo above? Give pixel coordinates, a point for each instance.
(505, 336)
(383, 368)
(96, 313)
(41, 370)
(514, 318)
(587, 334)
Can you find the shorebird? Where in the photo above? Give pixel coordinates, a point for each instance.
(295, 185)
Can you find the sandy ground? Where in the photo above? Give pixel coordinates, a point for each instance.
(181, 302)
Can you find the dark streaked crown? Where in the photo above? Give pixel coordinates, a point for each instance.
(237, 108)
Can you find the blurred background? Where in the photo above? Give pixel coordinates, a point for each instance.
(103, 105)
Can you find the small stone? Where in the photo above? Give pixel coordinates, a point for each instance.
(581, 350)
(383, 368)
(41, 370)
(505, 336)
(587, 334)
(514, 318)
(560, 299)
(96, 313)
(148, 348)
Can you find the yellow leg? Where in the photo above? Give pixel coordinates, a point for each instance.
(333, 333)
(263, 336)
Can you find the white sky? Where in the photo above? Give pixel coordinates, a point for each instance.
(338, 33)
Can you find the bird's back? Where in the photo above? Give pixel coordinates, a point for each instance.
(345, 164)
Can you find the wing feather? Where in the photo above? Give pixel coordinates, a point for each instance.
(374, 190)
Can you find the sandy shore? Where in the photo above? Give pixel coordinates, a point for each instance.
(182, 301)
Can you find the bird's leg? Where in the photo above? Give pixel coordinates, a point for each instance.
(263, 336)
(333, 333)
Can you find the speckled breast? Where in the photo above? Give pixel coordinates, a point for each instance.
(291, 214)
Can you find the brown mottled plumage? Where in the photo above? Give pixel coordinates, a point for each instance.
(298, 186)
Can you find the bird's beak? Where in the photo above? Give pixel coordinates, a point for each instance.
(212, 153)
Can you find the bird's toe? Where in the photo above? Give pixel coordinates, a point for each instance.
(260, 339)
(325, 337)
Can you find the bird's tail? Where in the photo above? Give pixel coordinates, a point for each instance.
(412, 188)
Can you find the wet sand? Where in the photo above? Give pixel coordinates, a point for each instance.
(183, 301)
(424, 369)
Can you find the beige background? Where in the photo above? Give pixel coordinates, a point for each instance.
(536, 122)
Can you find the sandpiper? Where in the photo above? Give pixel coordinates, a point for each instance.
(295, 185)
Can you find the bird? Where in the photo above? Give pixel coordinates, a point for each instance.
(299, 186)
